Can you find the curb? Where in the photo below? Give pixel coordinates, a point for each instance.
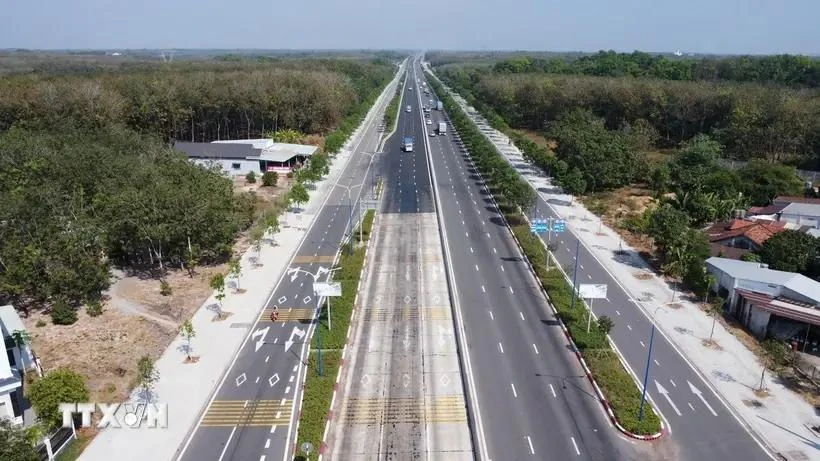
(601, 398)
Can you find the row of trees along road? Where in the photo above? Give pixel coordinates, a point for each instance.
(86, 180)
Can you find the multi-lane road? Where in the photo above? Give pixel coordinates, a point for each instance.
(699, 424)
(253, 411)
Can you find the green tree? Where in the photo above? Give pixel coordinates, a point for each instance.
(573, 182)
(147, 376)
(605, 324)
(298, 194)
(764, 181)
(271, 224)
(62, 313)
(187, 331)
(660, 179)
(751, 257)
(792, 251)
(56, 387)
(235, 269)
(270, 179)
(217, 283)
(255, 237)
(15, 444)
(667, 225)
(250, 178)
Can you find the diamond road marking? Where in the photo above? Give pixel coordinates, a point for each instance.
(365, 380)
(445, 380)
(273, 381)
(406, 300)
(241, 379)
(306, 299)
(282, 300)
(436, 299)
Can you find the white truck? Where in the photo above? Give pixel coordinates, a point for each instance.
(439, 105)
(442, 128)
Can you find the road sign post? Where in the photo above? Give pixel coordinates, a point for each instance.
(326, 290)
(591, 292)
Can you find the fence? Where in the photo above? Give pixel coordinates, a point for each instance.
(49, 448)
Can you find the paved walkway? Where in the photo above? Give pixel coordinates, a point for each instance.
(782, 418)
(186, 388)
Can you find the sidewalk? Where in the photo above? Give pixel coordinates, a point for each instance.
(784, 418)
(186, 388)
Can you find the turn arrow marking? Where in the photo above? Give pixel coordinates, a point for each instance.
(260, 331)
(665, 393)
(697, 392)
(296, 332)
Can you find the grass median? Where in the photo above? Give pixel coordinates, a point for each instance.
(615, 382)
(319, 389)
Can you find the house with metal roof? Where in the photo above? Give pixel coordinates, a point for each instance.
(770, 303)
(240, 157)
(802, 214)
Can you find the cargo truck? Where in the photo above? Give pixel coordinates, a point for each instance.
(442, 128)
(439, 105)
(407, 144)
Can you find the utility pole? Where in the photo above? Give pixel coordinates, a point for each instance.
(575, 272)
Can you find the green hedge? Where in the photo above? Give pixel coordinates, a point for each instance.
(615, 382)
(390, 117)
(504, 183)
(319, 389)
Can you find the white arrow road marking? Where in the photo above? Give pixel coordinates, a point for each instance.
(273, 379)
(662, 390)
(296, 332)
(697, 392)
(241, 379)
(260, 331)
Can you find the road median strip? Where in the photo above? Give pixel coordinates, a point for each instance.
(319, 390)
(618, 392)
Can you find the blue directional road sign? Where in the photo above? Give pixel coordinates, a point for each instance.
(559, 225)
(538, 226)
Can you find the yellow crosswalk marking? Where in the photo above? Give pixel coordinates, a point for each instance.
(328, 259)
(405, 313)
(296, 313)
(247, 413)
(376, 410)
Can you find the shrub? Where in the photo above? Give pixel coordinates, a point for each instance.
(63, 314)
(165, 288)
(54, 388)
(251, 177)
(40, 323)
(94, 308)
(271, 178)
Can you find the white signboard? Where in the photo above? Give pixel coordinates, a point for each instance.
(592, 291)
(327, 289)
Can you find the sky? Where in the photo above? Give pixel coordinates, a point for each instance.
(694, 26)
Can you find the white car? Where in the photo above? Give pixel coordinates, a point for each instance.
(432, 134)
(429, 122)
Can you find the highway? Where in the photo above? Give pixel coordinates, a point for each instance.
(700, 424)
(532, 398)
(254, 409)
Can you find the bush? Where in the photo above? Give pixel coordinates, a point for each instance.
(40, 323)
(271, 178)
(54, 388)
(94, 308)
(63, 314)
(165, 288)
(251, 177)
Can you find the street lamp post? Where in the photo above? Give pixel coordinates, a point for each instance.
(648, 363)
(350, 205)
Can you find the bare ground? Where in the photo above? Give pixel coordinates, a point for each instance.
(137, 320)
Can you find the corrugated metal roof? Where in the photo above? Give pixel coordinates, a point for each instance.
(752, 271)
(802, 209)
(781, 307)
(10, 321)
(217, 150)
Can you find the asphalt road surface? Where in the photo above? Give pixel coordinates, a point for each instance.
(401, 394)
(534, 401)
(253, 411)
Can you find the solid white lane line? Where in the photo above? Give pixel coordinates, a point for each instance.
(515, 394)
(267, 443)
(578, 452)
(536, 349)
(552, 389)
(529, 441)
(501, 347)
(227, 443)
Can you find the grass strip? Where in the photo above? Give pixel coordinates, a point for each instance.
(319, 389)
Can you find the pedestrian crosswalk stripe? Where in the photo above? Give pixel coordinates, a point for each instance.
(329, 259)
(405, 313)
(286, 315)
(377, 410)
(248, 413)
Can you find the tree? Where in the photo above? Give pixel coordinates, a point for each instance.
(298, 194)
(255, 237)
(271, 224)
(187, 331)
(250, 178)
(573, 182)
(62, 313)
(792, 251)
(235, 270)
(218, 283)
(716, 310)
(270, 179)
(15, 444)
(660, 179)
(147, 376)
(59, 386)
(21, 338)
(667, 224)
(776, 355)
(605, 324)
(764, 181)
(751, 257)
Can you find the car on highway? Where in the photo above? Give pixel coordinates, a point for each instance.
(410, 88)
(429, 122)
(408, 109)
(432, 134)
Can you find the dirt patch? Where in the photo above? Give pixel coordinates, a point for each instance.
(137, 319)
(539, 139)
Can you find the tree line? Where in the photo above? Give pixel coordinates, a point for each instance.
(87, 180)
(750, 121)
(785, 69)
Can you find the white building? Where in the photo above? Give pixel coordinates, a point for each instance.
(13, 365)
(240, 157)
(779, 304)
(802, 214)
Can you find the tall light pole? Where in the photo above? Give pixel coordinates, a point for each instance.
(322, 270)
(648, 363)
(350, 204)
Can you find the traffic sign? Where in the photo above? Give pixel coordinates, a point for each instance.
(539, 226)
(559, 225)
